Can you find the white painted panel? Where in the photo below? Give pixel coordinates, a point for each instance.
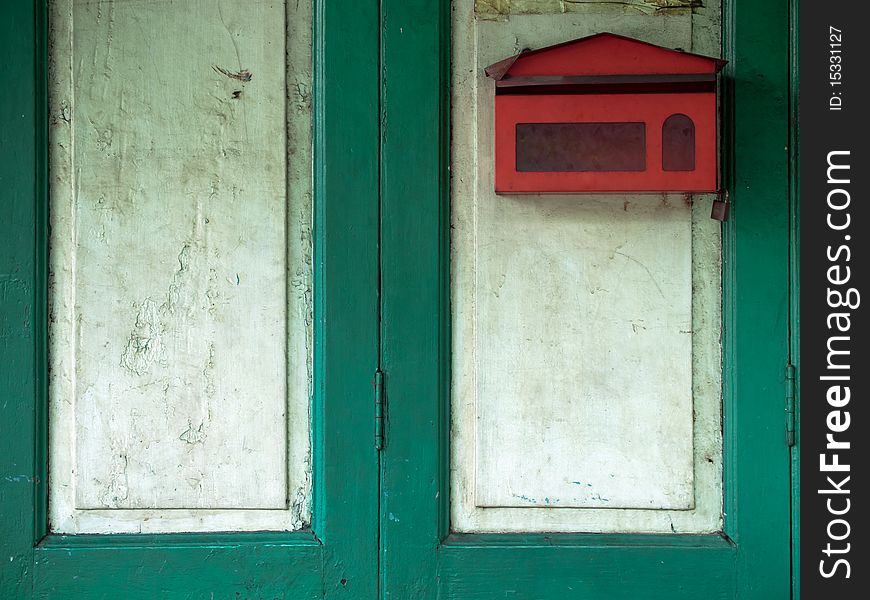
(586, 328)
(180, 308)
(582, 337)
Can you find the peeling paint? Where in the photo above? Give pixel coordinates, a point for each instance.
(144, 346)
(180, 275)
(300, 507)
(117, 490)
(193, 435)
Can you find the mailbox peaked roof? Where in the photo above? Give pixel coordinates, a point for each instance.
(603, 54)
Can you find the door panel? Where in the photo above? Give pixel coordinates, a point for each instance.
(586, 329)
(428, 550)
(180, 348)
(169, 148)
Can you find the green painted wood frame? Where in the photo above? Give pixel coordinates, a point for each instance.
(337, 557)
(794, 321)
(420, 558)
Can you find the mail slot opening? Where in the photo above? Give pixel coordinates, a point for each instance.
(579, 147)
(678, 143)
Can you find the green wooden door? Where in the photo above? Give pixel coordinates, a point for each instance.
(336, 556)
(381, 524)
(422, 554)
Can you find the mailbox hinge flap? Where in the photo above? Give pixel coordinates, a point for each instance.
(789, 405)
(379, 410)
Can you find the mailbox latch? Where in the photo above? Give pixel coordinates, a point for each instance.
(721, 206)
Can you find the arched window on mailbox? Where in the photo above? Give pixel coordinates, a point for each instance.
(605, 113)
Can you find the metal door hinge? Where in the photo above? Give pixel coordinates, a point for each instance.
(789, 404)
(379, 410)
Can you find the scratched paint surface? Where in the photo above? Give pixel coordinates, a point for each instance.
(500, 9)
(583, 353)
(180, 307)
(586, 328)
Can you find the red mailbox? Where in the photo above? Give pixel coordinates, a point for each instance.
(605, 113)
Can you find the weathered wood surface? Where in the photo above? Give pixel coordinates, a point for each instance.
(181, 251)
(586, 365)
